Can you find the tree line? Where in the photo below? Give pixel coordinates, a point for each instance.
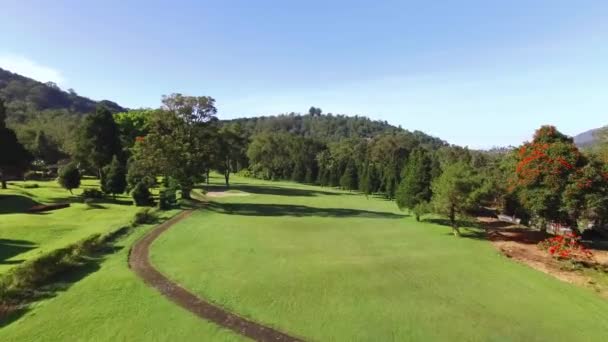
(546, 180)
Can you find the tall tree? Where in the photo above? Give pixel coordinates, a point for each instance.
(47, 150)
(14, 158)
(415, 186)
(455, 192)
(230, 153)
(99, 140)
(542, 173)
(174, 148)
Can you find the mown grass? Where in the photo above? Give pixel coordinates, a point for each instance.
(24, 236)
(335, 266)
(107, 302)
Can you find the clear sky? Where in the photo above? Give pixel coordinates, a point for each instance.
(476, 73)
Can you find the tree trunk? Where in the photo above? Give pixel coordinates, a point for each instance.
(455, 229)
(3, 183)
(417, 218)
(186, 193)
(207, 178)
(227, 177)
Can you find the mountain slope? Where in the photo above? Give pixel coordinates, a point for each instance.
(587, 138)
(327, 127)
(24, 95)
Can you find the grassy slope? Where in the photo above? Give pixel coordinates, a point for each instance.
(111, 304)
(24, 236)
(326, 267)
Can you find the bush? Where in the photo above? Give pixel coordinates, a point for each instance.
(32, 175)
(245, 173)
(92, 194)
(69, 177)
(167, 199)
(141, 195)
(566, 247)
(144, 216)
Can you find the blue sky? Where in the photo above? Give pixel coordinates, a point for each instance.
(476, 73)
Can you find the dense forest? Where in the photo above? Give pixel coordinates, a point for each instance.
(546, 180)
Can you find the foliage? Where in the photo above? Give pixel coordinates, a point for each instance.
(167, 198)
(92, 193)
(113, 178)
(415, 187)
(132, 125)
(192, 109)
(230, 154)
(175, 148)
(566, 247)
(69, 177)
(99, 140)
(455, 192)
(14, 158)
(141, 195)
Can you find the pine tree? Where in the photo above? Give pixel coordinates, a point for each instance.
(69, 177)
(415, 187)
(99, 139)
(349, 178)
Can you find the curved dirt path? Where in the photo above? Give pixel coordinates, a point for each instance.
(139, 262)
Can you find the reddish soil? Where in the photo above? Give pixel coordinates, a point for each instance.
(520, 244)
(139, 262)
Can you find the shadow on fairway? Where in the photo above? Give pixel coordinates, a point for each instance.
(9, 248)
(255, 209)
(15, 204)
(272, 190)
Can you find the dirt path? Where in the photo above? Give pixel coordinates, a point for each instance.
(139, 262)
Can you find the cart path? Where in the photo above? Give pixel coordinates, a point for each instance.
(139, 262)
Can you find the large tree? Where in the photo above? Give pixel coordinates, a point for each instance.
(174, 148)
(415, 186)
(99, 140)
(456, 192)
(14, 158)
(543, 171)
(192, 109)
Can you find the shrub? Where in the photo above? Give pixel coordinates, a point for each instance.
(69, 177)
(167, 199)
(92, 194)
(113, 180)
(144, 216)
(141, 195)
(566, 247)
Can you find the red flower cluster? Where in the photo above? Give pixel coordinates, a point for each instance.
(567, 247)
(139, 139)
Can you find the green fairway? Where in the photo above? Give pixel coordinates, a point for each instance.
(111, 304)
(24, 235)
(328, 265)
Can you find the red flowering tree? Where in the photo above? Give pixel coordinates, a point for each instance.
(544, 169)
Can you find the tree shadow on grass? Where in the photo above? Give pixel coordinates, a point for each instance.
(468, 229)
(272, 190)
(10, 248)
(256, 209)
(15, 204)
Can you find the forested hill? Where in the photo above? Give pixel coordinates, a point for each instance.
(24, 96)
(327, 127)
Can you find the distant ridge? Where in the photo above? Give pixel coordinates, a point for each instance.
(587, 138)
(24, 95)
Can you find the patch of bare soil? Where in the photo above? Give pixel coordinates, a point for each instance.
(520, 244)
